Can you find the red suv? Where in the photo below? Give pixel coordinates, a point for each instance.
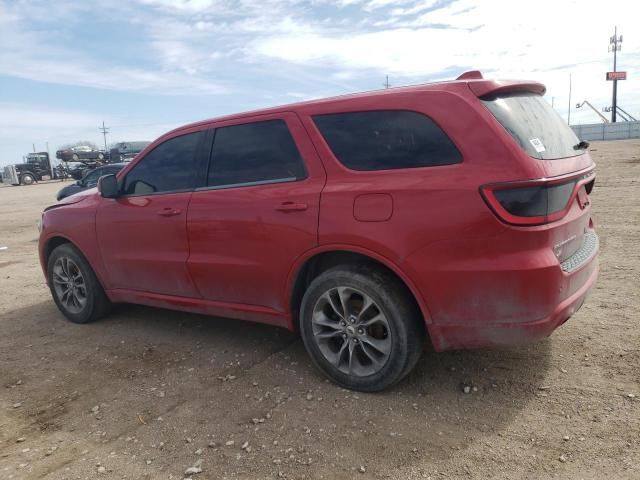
(456, 211)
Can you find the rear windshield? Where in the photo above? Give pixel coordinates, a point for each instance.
(537, 127)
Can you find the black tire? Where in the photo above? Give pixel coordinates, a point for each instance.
(96, 303)
(405, 331)
(27, 179)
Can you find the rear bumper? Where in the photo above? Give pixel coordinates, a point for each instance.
(453, 337)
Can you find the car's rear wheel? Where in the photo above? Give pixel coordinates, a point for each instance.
(74, 286)
(27, 179)
(361, 327)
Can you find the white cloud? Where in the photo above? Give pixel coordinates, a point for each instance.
(544, 41)
(412, 10)
(31, 54)
(182, 5)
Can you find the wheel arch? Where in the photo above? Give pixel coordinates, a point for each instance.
(30, 173)
(57, 239)
(51, 244)
(316, 261)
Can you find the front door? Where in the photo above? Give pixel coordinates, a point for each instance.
(258, 212)
(142, 234)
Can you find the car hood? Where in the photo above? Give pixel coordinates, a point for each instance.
(75, 198)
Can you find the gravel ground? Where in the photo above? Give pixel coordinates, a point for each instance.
(148, 393)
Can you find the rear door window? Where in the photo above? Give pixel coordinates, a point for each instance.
(535, 125)
(386, 140)
(253, 153)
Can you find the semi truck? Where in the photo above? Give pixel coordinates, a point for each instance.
(35, 167)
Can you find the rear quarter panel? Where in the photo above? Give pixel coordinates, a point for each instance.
(432, 206)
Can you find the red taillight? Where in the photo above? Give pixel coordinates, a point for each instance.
(534, 202)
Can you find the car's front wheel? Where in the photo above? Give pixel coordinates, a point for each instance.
(361, 327)
(74, 286)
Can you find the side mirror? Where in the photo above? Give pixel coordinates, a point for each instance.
(108, 186)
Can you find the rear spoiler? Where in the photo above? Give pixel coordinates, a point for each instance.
(485, 88)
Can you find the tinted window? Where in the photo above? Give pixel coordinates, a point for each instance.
(254, 152)
(383, 140)
(168, 167)
(91, 180)
(535, 125)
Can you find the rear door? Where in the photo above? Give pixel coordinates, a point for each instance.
(142, 234)
(258, 211)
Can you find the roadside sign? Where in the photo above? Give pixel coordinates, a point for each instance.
(616, 75)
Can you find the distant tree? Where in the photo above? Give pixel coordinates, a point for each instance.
(79, 143)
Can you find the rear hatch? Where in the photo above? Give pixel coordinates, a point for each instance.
(561, 198)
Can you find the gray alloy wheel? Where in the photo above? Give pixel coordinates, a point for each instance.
(74, 286)
(27, 179)
(361, 326)
(351, 331)
(69, 285)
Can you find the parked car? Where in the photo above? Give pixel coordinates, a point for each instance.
(90, 180)
(126, 151)
(456, 211)
(79, 152)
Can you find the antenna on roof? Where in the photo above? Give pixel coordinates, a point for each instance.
(471, 75)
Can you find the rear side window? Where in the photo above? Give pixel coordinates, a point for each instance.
(535, 125)
(259, 152)
(171, 166)
(385, 140)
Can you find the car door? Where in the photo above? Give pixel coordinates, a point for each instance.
(142, 234)
(258, 211)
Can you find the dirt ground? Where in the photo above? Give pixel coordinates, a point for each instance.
(148, 393)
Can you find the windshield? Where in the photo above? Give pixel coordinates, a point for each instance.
(535, 125)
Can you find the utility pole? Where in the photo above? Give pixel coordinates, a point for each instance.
(615, 45)
(386, 83)
(553, 102)
(104, 130)
(569, 109)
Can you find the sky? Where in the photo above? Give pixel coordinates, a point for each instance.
(147, 66)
